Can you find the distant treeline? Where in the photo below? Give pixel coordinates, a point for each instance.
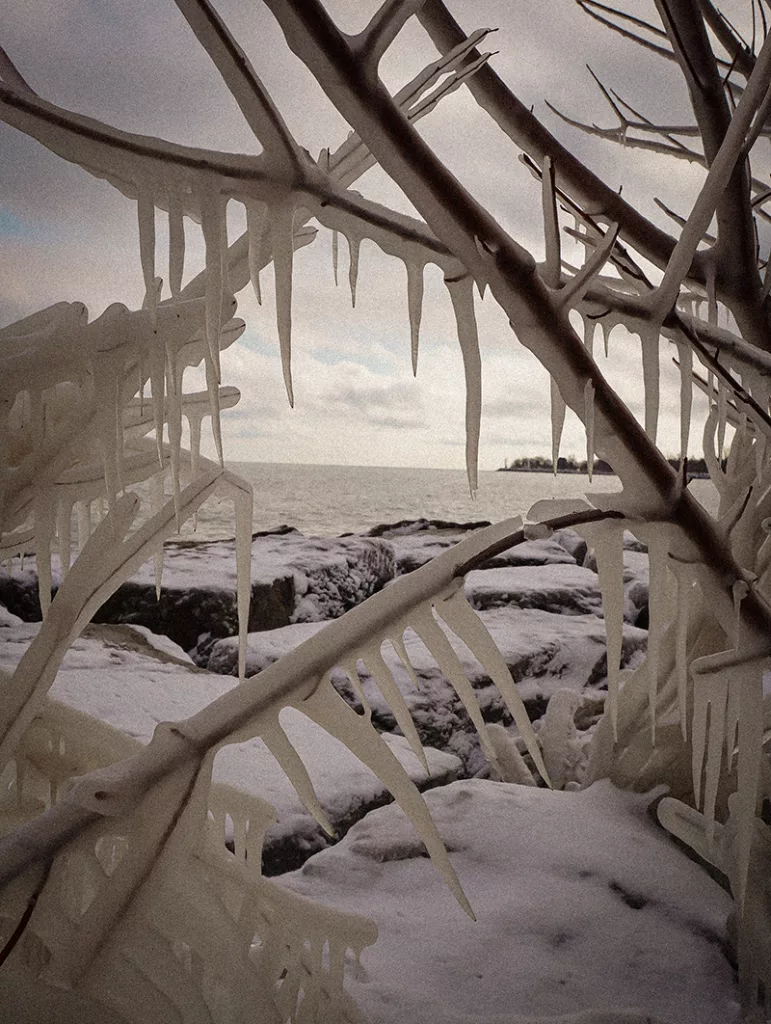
(539, 464)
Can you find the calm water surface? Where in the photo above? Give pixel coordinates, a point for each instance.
(330, 500)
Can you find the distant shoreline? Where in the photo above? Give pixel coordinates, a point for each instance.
(696, 468)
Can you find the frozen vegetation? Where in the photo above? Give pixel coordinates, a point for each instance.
(133, 790)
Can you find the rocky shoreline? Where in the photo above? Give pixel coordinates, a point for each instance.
(540, 601)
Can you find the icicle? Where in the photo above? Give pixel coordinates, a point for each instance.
(749, 682)
(401, 650)
(44, 517)
(157, 387)
(462, 296)
(658, 546)
(255, 226)
(722, 414)
(278, 743)
(415, 305)
(282, 246)
(686, 395)
(590, 327)
(64, 532)
(354, 245)
(83, 511)
(157, 501)
(685, 581)
(732, 724)
(244, 512)
(740, 589)
(213, 390)
(606, 329)
(381, 673)
(146, 218)
(608, 543)
(176, 243)
(212, 212)
(328, 709)
(717, 706)
(649, 340)
(589, 415)
(466, 624)
(174, 427)
(557, 422)
(425, 625)
(335, 253)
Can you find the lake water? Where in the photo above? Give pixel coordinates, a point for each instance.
(330, 500)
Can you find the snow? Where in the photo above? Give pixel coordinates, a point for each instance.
(582, 903)
(565, 589)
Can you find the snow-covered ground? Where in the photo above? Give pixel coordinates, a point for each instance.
(582, 903)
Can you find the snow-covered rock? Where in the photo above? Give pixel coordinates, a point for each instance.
(415, 550)
(582, 904)
(566, 589)
(294, 579)
(116, 676)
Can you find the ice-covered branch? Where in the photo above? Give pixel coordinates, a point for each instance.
(384, 26)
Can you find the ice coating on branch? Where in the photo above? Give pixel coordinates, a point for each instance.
(589, 419)
(176, 243)
(243, 509)
(83, 514)
(607, 540)
(256, 217)
(462, 296)
(415, 307)
(739, 590)
(282, 246)
(328, 709)
(558, 408)
(649, 341)
(686, 394)
(146, 217)
(174, 427)
(381, 673)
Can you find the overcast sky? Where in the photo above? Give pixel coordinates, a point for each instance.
(136, 64)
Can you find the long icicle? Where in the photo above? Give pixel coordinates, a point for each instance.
(212, 211)
(558, 408)
(146, 218)
(649, 341)
(608, 542)
(381, 673)
(256, 217)
(462, 296)
(282, 247)
(328, 709)
(589, 416)
(686, 395)
(415, 307)
(354, 247)
(658, 556)
(281, 747)
(176, 243)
